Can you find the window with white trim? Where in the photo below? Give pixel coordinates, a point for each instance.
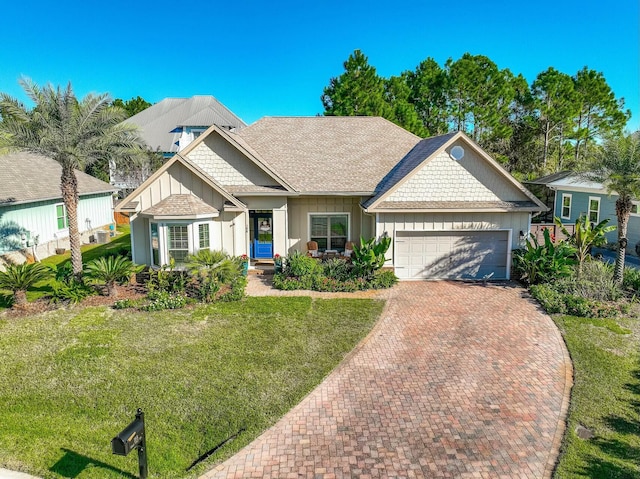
(61, 217)
(178, 242)
(203, 236)
(330, 231)
(566, 206)
(594, 209)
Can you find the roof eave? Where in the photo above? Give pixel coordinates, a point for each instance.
(530, 209)
(181, 217)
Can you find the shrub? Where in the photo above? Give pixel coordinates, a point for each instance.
(383, 279)
(549, 298)
(63, 273)
(237, 290)
(631, 280)
(111, 270)
(160, 300)
(19, 278)
(370, 256)
(539, 263)
(126, 303)
(300, 265)
(71, 292)
(337, 268)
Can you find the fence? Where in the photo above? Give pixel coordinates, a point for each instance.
(121, 219)
(538, 228)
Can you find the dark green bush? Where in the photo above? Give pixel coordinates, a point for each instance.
(300, 265)
(337, 268)
(237, 291)
(383, 279)
(71, 292)
(540, 263)
(159, 300)
(631, 280)
(549, 298)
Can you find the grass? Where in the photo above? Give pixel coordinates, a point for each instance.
(71, 379)
(605, 399)
(89, 252)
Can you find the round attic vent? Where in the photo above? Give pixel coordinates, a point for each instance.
(457, 152)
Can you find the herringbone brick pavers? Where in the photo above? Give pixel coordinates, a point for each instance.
(456, 380)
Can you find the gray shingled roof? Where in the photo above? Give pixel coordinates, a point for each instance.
(328, 153)
(423, 150)
(181, 205)
(158, 121)
(462, 205)
(27, 177)
(545, 180)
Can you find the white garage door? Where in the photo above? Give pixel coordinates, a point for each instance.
(451, 254)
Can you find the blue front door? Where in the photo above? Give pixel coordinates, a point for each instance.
(262, 243)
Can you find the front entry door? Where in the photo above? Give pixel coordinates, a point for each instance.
(262, 241)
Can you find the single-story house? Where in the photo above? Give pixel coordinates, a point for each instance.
(449, 208)
(31, 209)
(574, 195)
(170, 125)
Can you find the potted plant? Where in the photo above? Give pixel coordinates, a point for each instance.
(277, 263)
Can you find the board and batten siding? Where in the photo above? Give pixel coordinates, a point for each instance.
(40, 217)
(580, 206)
(390, 223)
(230, 227)
(360, 224)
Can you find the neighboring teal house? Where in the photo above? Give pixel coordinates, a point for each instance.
(31, 210)
(574, 195)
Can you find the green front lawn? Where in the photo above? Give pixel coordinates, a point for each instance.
(70, 379)
(122, 241)
(605, 398)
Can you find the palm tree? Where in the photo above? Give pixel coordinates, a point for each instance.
(20, 277)
(618, 168)
(73, 132)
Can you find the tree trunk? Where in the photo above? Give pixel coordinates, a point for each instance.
(623, 211)
(112, 291)
(19, 297)
(69, 186)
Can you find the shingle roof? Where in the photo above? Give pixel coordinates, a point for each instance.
(27, 177)
(549, 178)
(328, 153)
(411, 161)
(158, 121)
(181, 205)
(461, 205)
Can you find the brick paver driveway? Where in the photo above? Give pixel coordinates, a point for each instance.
(456, 380)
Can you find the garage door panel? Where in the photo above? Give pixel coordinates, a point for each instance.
(452, 254)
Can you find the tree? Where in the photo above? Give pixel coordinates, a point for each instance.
(397, 94)
(599, 113)
(133, 106)
(358, 91)
(428, 84)
(618, 167)
(72, 132)
(18, 278)
(555, 102)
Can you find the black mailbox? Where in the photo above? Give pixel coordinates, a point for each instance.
(130, 438)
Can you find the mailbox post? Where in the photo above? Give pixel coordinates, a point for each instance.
(133, 437)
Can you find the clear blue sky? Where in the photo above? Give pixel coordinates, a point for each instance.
(274, 58)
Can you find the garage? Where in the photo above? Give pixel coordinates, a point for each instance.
(475, 254)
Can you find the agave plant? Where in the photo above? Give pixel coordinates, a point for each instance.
(20, 277)
(110, 271)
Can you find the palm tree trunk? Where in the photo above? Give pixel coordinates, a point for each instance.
(69, 186)
(19, 297)
(623, 211)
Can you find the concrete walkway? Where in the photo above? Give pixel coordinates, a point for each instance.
(456, 380)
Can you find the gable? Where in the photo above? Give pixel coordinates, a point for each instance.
(223, 162)
(177, 179)
(432, 179)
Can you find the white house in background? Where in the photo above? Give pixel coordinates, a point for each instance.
(31, 209)
(172, 124)
(449, 208)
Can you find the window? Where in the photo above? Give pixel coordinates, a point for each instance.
(594, 209)
(155, 245)
(635, 208)
(61, 217)
(178, 242)
(330, 231)
(203, 236)
(566, 206)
